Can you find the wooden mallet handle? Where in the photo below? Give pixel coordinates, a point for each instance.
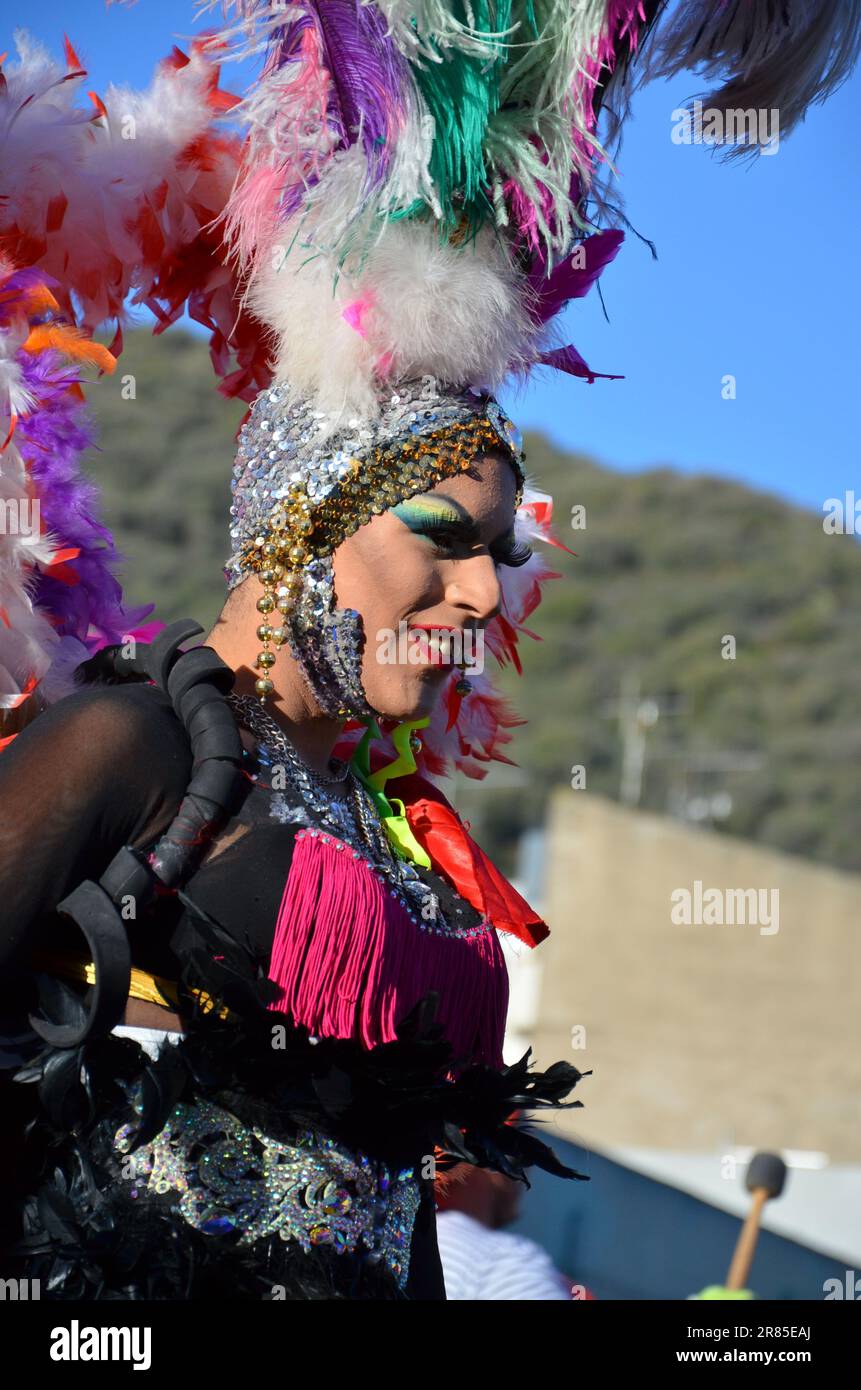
(765, 1178)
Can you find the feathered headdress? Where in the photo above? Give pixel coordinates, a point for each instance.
(417, 175)
(102, 204)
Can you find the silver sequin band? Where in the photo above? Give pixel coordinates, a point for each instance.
(315, 1192)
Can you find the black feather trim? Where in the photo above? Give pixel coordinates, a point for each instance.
(404, 1102)
(394, 1101)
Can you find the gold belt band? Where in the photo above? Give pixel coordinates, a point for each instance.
(152, 989)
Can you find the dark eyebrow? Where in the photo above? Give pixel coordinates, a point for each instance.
(466, 524)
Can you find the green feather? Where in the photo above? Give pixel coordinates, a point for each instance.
(462, 94)
(537, 104)
(504, 112)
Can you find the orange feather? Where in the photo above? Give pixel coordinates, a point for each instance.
(71, 341)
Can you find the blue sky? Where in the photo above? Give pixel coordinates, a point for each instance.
(756, 277)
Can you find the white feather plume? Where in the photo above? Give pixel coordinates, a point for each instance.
(457, 313)
(27, 638)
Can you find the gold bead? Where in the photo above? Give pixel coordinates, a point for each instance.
(279, 636)
(264, 686)
(298, 554)
(269, 550)
(265, 659)
(268, 576)
(264, 632)
(265, 604)
(286, 604)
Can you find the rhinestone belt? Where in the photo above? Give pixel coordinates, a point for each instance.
(314, 1191)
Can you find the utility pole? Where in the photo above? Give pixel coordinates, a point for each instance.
(637, 716)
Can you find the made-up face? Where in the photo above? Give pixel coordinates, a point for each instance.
(427, 566)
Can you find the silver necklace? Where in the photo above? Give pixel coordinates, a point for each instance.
(263, 727)
(348, 816)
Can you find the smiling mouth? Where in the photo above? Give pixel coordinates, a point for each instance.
(437, 645)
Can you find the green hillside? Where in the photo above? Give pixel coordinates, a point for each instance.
(667, 566)
(166, 450)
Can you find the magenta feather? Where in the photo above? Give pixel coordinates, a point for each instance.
(568, 360)
(551, 293)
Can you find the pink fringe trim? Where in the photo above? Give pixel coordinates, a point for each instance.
(351, 960)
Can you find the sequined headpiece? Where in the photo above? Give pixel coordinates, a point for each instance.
(305, 480)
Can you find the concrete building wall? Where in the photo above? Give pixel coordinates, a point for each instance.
(700, 1037)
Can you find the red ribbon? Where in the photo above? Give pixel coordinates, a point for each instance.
(457, 858)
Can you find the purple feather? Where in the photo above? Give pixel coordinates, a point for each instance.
(52, 439)
(568, 359)
(370, 87)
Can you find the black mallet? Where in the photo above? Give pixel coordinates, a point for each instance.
(765, 1179)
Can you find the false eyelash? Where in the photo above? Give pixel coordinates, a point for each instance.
(435, 526)
(515, 555)
(437, 530)
(519, 554)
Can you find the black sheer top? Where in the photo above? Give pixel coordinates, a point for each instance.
(108, 766)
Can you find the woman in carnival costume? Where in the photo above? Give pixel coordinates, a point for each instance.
(253, 992)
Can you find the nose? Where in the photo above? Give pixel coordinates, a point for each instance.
(476, 588)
